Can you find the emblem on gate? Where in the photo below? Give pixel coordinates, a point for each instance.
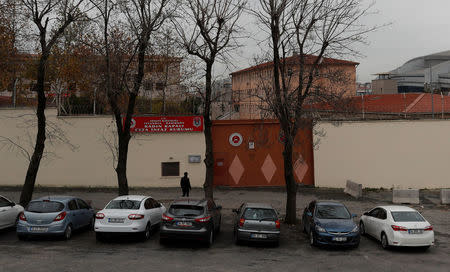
(197, 122)
(235, 139)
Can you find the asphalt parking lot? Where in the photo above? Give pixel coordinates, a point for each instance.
(84, 253)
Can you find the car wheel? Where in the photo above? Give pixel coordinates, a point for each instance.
(236, 238)
(68, 232)
(303, 226)
(425, 248)
(384, 241)
(210, 238)
(91, 225)
(362, 230)
(146, 233)
(312, 239)
(218, 227)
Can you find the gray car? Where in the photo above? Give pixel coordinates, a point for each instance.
(54, 216)
(194, 219)
(256, 222)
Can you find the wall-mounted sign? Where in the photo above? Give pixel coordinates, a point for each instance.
(251, 145)
(235, 139)
(166, 124)
(195, 158)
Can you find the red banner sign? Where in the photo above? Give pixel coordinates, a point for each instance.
(166, 124)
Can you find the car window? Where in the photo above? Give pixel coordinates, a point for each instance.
(407, 217)
(332, 212)
(186, 210)
(73, 205)
(82, 204)
(156, 204)
(382, 214)
(148, 204)
(124, 204)
(45, 206)
(374, 212)
(4, 202)
(259, 214)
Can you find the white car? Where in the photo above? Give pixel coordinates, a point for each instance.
(9, 213)
(397, 226)
(129, 214)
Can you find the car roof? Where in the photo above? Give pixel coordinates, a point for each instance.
(55, 198)
(189, 201)
(258, 205)
(131, 197)
(329, 202)
(397, 208)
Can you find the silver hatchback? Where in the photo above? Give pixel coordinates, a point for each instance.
(256, 222)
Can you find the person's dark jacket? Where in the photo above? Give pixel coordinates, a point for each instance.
(185, 183)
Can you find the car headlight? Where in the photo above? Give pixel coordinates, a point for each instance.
(355, 229)
(320, 229)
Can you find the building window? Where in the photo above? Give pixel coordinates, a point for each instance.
(236, 108)
(170, 169)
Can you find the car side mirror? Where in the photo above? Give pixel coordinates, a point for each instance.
(219, 207)
(12, 204)
(308, 213)
(354, 215)
(366, 213)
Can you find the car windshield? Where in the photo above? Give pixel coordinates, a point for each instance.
(407, 217)
(332, 212)
(45, 206)
(260, 214)
(124, 204)
(186, 210)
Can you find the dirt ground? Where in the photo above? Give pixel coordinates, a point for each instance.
(82, 252)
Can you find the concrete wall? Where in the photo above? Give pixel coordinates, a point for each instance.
(384, 86)
(400, 154)
(91, 163)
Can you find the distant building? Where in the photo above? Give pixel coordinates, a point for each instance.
(222, 100)
(247, 91)
(416, 76)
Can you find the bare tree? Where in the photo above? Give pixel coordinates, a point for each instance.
(143, 18)
(51, 19)
(314, 30)
(208, 29)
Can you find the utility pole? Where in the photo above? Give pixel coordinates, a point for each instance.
(432, 93)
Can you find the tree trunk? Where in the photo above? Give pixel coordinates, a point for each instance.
(121, 168)
(209, 156)
(291, 185)
(33, 167)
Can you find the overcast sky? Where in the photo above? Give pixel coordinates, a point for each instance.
(418, 27)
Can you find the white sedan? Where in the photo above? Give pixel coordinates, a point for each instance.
(397, 226)
(129, 214)
(9, 213)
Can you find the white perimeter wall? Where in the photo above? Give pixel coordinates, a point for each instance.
(91, 163)
(399, 154)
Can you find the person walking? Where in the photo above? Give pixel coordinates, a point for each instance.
(185, 184)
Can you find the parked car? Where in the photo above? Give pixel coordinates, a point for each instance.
(54, 215)
(191, 219)
(330, 223)
(9, 213)
(397, 226)
(129, 214)
(256, 222)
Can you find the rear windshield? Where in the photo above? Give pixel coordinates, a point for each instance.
(332, 212)
(259, 214)
(407, 217)
(45, 207)
(124, 204)
(186, 210)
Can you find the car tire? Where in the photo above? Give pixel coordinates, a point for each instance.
(237, 241)
(384, 241)
(362, 230)
(67, 232)
(210, 240)
(218, 227)
(91, 225)
(303, 226)
(312, 239)
(425, 248)
(147, 232)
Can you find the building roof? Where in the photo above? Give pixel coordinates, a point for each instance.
(309, 60)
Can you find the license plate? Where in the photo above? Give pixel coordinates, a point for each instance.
(38, 229)
(340, 239)
(184, 224)
(116, 220)
(415, 231)
(257, 235)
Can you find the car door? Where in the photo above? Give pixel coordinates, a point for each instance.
(7, 213)
(370, 221)
(85, 212)
(379, 223)
(74, 214)
(158, 209)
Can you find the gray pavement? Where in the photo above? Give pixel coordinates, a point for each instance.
(83, 253)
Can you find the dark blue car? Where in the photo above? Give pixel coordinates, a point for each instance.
(330, 223)
(54, 215)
